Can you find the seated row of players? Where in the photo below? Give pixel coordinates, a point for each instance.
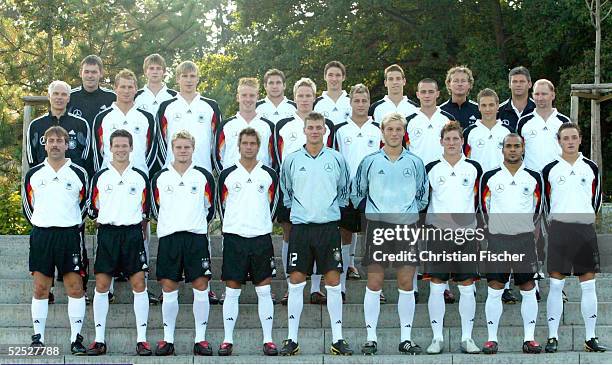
(359, 117)
(183, 203)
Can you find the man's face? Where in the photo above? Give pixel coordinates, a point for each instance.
(513, 149)
(314, 131)
(543, 96)
(393, 133)
(121, 149)
(248, 147)
(188, 82)
(247, 98)
(56, 146)
(182, 149)
(519, 85)
(488, 107)
(125, 90)
(334, 78)
(570, 140)
(427, 94)
(460, 84)
(275, 87)
(155, 73)
(394, 82)
(59, 97)
(304, 98)
(360, 104)
(452, 143)
(90, 76)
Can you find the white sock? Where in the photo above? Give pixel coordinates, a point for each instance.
(371, 311)
(467, 310)
(437, 308)
(100, 309)
(76, 314)
(529, 312)
(111, 288)
(353, 247)
(295, 304)
(170, 308)
(230, 313)
(201, 308)
(507, 286)
(588, 307)
(405, 309)
(415, 284)
(334, 308)
(346, 252)
(554, 306)
(265, 308)
(315, 280)
(141, 313)
(40, 309)
(493, 311)
(285, 253)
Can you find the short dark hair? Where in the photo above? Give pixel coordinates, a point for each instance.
(509, 135)
(121, 133)
(336, 64)
(249, 132)
(274, 72)
(451, 125)
(314, 116)
(570, 125)
(487, 92)
(519, 70)
(427, 80)
(93, 59)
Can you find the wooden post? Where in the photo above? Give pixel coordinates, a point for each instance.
(28, 109)
(574, 108)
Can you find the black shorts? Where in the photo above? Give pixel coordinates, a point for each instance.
(350, 219)
(388, 252)
(247, 259)
(183, 252)
(282, 213)
(458, 268)
(55, 247)
(572, 248)
(120, 250)
(523, 269)
(314, 242)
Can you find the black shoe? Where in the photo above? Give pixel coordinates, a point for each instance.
(143, 349)
(96, 349)
(51, 298)
(274, 301)
(343, 297)
(593, 345)
(410, 348)
(369, 348)
(77, 347)
(318, 298)
(212, 297)
(449, 297)
(564, 296)
(551, 345)
(341, 347)
(416, 297)
(222, 299)
(111, 298)
(225, 349)
(202, 348)
(538, 296)
(490, 348)
(153, 299)
(383, 299)
(164, 349)
(508, 297)
(285, 299)
(36, 342)
(290, 348)
(87, 300)
(269, 349)
(532, 347)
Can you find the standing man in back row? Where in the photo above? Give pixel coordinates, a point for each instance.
(334, 102)
(459, 82)
(395, 101)
(155, 92)
(519, 104)
(275, 106)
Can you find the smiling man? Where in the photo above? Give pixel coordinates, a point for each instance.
(519, 104)
(155, 92)
(275, 106)
(459, 82)
(334, 102)
(395, 101)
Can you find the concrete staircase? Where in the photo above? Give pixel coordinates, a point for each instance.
(315, 333)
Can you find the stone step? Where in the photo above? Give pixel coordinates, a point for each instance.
(312, 341)
(16, 291)
(315, 316)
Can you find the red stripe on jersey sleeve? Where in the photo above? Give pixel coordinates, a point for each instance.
(213, 123)
(537, 195)
(156, 196)
(271, 191)
(143, 203)
(485, 199)
(467, 150)
(208, 194)
(223, 196)
(164, 127)
(594, 193)
(220, 144)
(100, 133)
(30, 195)
(95, 196)
(279, 147)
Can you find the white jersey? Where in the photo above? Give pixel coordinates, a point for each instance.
(424, 134)
(256, 190)
(226, 140)
(485, 145)
(337, 111)
(269, 111)
(354, 142)
(55, 198)
(201, 118)
(289, 136)
(149, 102)
(119, 199)
(183, 203)
(139, 123)
(384, 106)
(540, 136)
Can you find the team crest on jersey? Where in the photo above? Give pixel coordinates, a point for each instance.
(68, 185)
(72, 143)
(500, 145)
(108, 188)
(143, 107)
(499, 188)
(466, 182)
(583, 181)
(480, 143)
(264, 115)
(136, 130)
(42, 140)
(326, 114)
(237, 187)
(260, 188)
(348, 140)
(418, 132)
(293, 136)
(407, 172)
(533, 133)
(178, 116)
(346, 115)
(561, 180)
(194, 189)
(132, 189)
(42, 184)
(370, 143)
(337, 255)
(169, 189)
(328, 167)
(201, 118)
(205, 264)
(114, 127)
(525, 190)
(77, 112)
(441, 180)
(505, 122)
